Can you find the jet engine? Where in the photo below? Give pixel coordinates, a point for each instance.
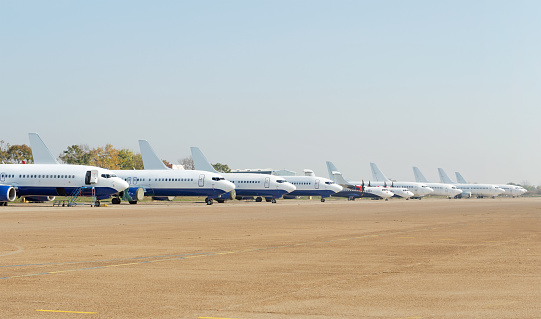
(136, 193)
(7, 193)
(464, 195)
(163, 198)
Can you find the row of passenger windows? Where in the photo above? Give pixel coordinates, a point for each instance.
(246, 182)
(300, 183)
(162, 179)
(41, 176)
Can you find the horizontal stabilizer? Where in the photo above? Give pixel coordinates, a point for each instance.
(444, 178)
(200, 162)
(419, 177)
(150, 159)
(40, 152)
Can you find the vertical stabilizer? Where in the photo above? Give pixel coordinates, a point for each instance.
(419, 177)
(200, 161)
(331, 168)
(40, 152)
(444, 178)
(150, 159)
(460, 179)
(377, 175)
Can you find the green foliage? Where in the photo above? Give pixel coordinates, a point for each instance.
(223, 168)
(128, 160)
(19, 153)
(76, 154)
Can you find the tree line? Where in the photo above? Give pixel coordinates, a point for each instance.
(107, 157)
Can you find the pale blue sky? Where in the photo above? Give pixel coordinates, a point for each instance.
(283, 84)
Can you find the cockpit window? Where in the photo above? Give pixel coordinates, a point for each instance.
(280, 181)
(218, 178)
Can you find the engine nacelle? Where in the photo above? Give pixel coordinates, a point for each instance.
(229, 196)
(7, 193)
(136, 193)
(164, 198)
(465, 194)
(39, 199)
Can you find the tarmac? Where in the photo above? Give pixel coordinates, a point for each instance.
(430, 258)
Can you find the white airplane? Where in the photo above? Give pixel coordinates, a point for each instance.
(248, 185)
(440, 189)
(418, 189)
(158, 180)
(312, 185)
(43, 181)
(510, 190)
(468, 190)
(353, 189)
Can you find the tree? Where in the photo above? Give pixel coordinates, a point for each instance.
(76, 154)
(166, 163)
(4, 147)
(223, 168)
(106, 157)
(128, 160)
(19, 153)
(187, 162)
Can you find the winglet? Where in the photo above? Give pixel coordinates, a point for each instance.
(419, 177)
(40, 152)
(377, 175)
(200, 161)
(150, 159)
(444, 178)
(460, 179)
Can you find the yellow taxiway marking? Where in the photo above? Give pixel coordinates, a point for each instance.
(65, 311)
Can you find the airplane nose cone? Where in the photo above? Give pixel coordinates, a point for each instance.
(457, 191)
(227, 186)
(288, 187)
(428, 190)
(336, 188)
(120, 184)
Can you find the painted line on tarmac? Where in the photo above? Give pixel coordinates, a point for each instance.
(66, 311)
(19, 250)
(228, 252)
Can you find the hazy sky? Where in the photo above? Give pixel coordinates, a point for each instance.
(283, 84)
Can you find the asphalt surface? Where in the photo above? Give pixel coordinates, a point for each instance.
(435, 258)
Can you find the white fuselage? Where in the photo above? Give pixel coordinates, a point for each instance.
(480, 189)
(176, 182)
(512, 190)
(312, 186)
(418, 189)
(401, 192)
(441, 189)
(260, 185)
(380, 191)
(60, 180)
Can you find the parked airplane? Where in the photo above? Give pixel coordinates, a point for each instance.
(248, 185)
(40, 181)
(510, 190)
(353, 189)
(440, 189)
(468, 190)
(157, 180)
(312, 185)
(418, 189)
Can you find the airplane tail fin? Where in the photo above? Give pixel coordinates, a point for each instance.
(377, 175)
(200, 162)
(419, 177)
(460, 179)
(335, 175)
(40, 152)
(444, 178)
(150, 159)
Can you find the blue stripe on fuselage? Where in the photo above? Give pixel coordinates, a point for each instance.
(53, 191)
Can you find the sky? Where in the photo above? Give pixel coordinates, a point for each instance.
(283, 84)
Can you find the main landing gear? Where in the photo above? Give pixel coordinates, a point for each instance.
(209, 201)
(258, 199)
(270, 200)
(115, 200)
(322, 200)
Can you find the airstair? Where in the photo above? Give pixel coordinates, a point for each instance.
(71, 200)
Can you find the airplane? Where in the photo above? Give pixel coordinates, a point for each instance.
(418, 189)
(312, 185)
(510, 190)
(354, 189)
(468, 190)
(440, 189)
(248, 185)
(163, 183)
(158, 180)
(38, 181)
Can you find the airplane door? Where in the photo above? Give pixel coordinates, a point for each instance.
(135, 181)
(93, 176)
(3, 177)
(128, 180)
(316, 184)
(267, 182)
(201, 182)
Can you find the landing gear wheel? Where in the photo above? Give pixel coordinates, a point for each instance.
(133, 202)
(386, 199)
(259, 199)
(323, 200)
(273, 201)
(221, 201)
(209, 201)
(97, 204)
(407, 198)
(115, 201)
(268, 200)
